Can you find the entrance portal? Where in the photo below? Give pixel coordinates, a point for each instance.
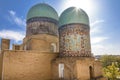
(91, 72)
(61, 70)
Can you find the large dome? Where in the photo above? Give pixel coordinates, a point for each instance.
(42, 10)
(73, 15)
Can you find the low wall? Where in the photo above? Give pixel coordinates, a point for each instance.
(98, 69)
(27, 65)
(1, 62)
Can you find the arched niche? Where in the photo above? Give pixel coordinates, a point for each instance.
(91, 72)
(53, 47)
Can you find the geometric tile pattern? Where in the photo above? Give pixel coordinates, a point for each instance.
(74, 40)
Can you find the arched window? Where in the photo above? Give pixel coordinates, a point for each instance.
(53, 47)
(91, 72)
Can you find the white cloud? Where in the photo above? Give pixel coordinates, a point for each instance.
(95, 26)
(14, 35)
(101, 49)
(18, 20)
(97, 45)
(95, 40)
(12, 12)
(95, 30)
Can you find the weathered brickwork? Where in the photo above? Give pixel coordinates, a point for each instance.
(40, 26)
(77, 68)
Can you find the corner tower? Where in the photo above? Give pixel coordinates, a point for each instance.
(42, 28)
(74, 33)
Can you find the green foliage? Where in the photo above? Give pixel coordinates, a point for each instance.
(109, 59)
(112, 71)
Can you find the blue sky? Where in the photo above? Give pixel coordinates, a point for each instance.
(104, 21)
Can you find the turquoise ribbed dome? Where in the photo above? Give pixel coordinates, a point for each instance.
(73, 15)
(42, 10)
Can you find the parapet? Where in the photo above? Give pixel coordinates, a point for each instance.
(5, 44)
(16, 47)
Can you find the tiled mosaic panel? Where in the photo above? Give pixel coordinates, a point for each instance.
(74, 40)
(40, 27)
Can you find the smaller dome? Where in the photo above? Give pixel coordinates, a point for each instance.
(73, 15)
(42, 10)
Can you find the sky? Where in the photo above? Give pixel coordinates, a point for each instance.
(104, 16)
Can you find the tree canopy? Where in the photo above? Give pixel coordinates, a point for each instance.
(112, 71)
(109, 59)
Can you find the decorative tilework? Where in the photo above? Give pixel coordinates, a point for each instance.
(74, 40)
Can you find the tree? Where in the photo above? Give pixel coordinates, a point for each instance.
(109, 59)
(112, 71)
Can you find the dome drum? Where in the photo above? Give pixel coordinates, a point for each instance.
(42, 19)
(85, 26)
(42, 27)
(74, 40)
